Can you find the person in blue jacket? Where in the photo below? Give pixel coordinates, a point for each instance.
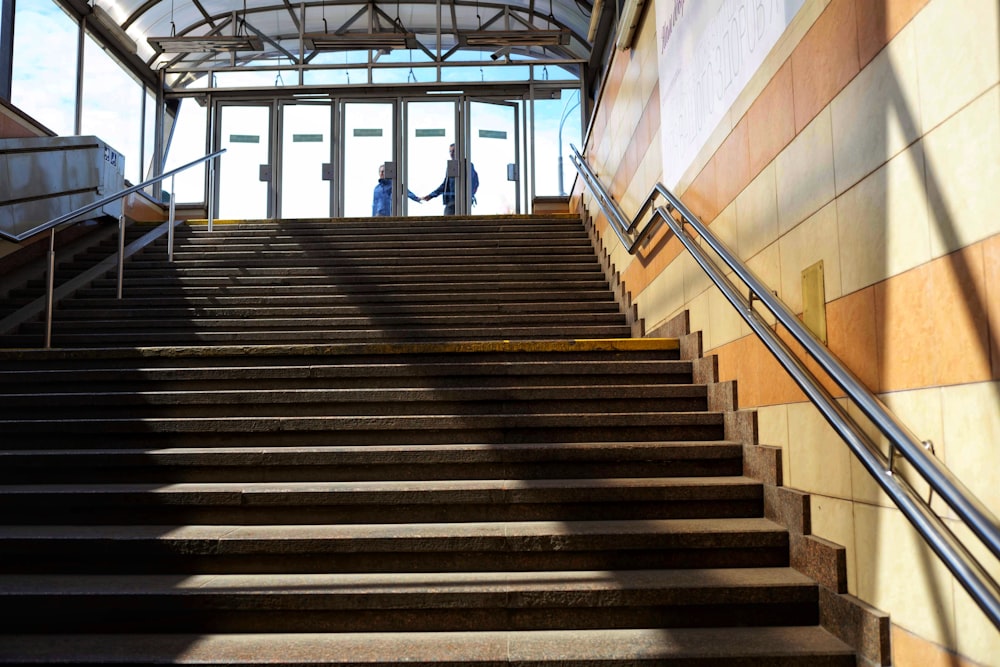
(382, 198)
(447, 187)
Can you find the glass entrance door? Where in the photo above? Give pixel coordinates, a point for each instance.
(305, 176)
(430, 131)
(494, 150)
(245, 169)
(369, 132)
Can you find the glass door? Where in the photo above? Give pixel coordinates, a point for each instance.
(431, 169)
(245, 170)
(369, 138)
(493, 150)
(305, 182)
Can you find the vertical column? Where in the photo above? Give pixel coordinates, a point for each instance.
(6, 47)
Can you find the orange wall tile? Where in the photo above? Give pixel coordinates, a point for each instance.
(732, 165)
(824, 61)
(958, 311)
(771, 120)
(701, 197)
(852, 335)
(991, 262)
(909, 650)
(650, 260)
(879, 21)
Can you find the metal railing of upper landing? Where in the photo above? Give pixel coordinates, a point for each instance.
(973, 514)
(51, 226)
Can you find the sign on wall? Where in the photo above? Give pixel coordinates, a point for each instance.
(708, 51)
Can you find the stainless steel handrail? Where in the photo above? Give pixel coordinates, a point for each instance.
(970, 510)
(54, 223)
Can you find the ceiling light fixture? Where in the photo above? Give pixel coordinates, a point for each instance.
(514, 38)
(359, 41)
(206, 43)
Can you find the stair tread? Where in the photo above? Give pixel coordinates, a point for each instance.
(486, 490)
(371, 454)
(739, 584)
(773, 646)
(419, 536)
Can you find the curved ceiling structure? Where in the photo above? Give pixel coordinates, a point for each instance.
(188, 37)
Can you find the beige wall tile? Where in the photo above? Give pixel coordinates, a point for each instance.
(757, 214)
(663, 296)
(921, 412)
(819, 461)
(696, 280)
(959, 55)
(723, 319)
(767, 266)
(899, 574)
(814, 240)
(804, 173)
(772, 430)
(833, 519)
(971, 437)
(978, 638)
(963, 175)
(698, 316)
(878, 114)
(883, 222)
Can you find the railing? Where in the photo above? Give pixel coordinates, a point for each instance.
(973, 513)
(53, 224)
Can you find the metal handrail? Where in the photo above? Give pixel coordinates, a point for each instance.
(970, 510)
(54, 223)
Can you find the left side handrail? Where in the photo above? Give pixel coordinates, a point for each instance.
(52, 225)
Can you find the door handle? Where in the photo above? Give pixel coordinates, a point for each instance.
(265, 173)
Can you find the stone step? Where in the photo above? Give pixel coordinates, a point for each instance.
(118, 375)
(483, 360)
(66, 335)
(366, 401)
(470, 547)
(410, 602)
(59, 433)
(373, 463)
(154, 322)
(483, 281)
(382, 501)
(210, 308)
(795, 646)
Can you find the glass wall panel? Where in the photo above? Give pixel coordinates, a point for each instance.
(112, 106)
(187, 144)
(44, 62)
(557, 125)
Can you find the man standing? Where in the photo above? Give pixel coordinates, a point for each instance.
(447, 187)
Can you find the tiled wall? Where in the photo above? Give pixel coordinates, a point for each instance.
(870, 140)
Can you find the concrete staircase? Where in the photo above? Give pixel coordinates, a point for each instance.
(420, 441)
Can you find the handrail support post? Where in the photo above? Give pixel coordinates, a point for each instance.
(50, 288)
(121, 250)
(170, 229)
